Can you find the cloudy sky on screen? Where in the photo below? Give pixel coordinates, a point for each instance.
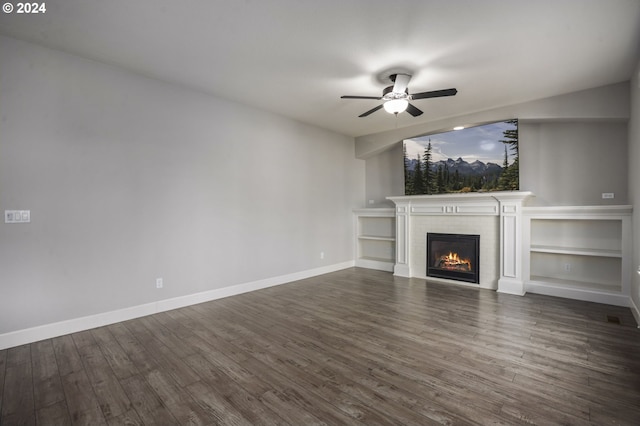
(474, 143)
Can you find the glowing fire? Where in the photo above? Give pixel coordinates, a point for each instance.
(453, 262)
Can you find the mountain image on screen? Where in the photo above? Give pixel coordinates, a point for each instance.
(477, 168)
(487, 160)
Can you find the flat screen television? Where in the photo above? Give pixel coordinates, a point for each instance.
(474, 159)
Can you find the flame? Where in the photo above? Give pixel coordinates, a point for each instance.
(454, 261)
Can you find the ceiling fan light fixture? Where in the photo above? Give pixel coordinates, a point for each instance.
(395, 99)
(395, 106)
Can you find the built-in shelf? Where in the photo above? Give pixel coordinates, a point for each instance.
(578, 251)
(611, 286)
(375, 238)
(374, 259)
(581, 252)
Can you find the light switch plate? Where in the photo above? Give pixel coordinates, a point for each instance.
(17, 216)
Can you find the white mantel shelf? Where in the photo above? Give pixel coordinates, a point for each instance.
(472, 203)
(464, 197)
(508, 206)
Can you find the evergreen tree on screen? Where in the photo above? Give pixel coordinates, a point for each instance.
(456, 183)
(440, 182)
(511, 137)
(505, 163)
(407, 172)
(509, 179)
(502, 183)
(428, 174)
(417, 186)
(446, 178)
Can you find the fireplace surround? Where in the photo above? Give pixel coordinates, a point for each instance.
(496, 216)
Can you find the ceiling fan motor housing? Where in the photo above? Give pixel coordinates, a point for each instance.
(388, 94)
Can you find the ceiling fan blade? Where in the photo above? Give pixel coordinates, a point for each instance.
(371, 111)
(434, 94)
(361, 97)
(400, 82)
(413, 110)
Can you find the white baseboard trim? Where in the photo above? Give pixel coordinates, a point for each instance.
(375, 264)
(511, 286)
(48, 331)
(402, 270)
(635, 311)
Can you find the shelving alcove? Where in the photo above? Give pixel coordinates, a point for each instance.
(375, 238)
(579, 252)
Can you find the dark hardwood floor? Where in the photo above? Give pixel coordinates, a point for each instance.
(352, 347)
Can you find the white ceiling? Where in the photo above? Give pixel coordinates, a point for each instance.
(297, 57)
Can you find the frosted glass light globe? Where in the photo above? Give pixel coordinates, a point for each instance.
(394, 106)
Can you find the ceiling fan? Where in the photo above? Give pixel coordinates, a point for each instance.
(396, 98)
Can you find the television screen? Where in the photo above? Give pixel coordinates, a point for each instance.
(480, 158)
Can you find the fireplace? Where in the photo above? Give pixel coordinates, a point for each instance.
(454, 257)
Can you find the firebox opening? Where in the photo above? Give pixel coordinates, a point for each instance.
(454, 256)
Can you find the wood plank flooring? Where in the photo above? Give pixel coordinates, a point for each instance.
(351, 347)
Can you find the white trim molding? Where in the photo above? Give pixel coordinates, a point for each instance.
(48, 331)
(511, 243)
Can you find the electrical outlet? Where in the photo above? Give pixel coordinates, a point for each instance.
(567, 267)
(608, 195)
(159, 283)
(321, 255)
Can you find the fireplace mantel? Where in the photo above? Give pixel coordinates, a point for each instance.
(505, 205)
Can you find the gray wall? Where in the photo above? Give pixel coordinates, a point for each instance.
(384, 177)
(129, 179)
(574, 163)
